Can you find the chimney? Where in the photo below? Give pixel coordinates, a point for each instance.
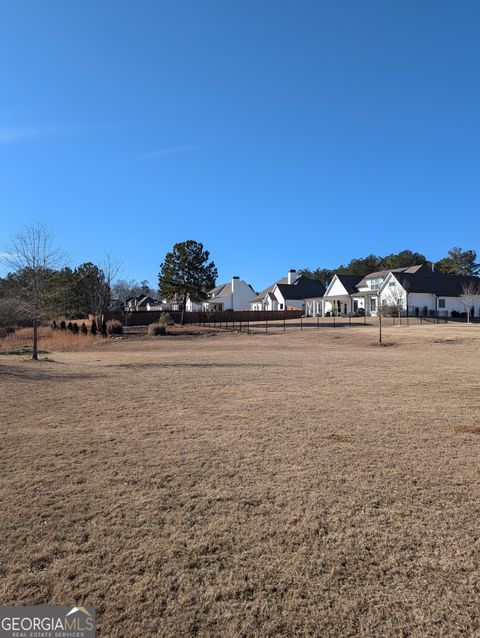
(235, 281)
(292, 276)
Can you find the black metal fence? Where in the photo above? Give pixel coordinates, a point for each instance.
(282, 320)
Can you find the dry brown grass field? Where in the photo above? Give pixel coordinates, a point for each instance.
(300, 484)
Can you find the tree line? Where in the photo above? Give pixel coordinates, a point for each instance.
(457, 262)
(39, 286)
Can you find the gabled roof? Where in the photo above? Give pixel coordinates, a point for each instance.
(303, 288)
(221, 288)
(435, 282)
(261, 295)
(350, 282)
(381, 274)
(144, 299)
(226, 289)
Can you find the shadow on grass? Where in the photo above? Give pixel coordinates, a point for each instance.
(36, 372)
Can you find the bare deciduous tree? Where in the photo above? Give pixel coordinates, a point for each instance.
(32, 258)
(470, 292)
(396, 298)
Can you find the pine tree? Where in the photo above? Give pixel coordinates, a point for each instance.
(186, 273)
(75, 328)
(54, 325)
(63, 325)
(104, 328)
(70, 326)
(84, 329)
(93, 329)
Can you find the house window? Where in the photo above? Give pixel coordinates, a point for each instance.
(375, 283)
(373, 304)
(280, 305)
(391, 284)
(441, 303)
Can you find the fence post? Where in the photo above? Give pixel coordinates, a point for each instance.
(350, 320)
(240, 325)
(284, 323)
(334, 321)
(301, 323)
(266, 324)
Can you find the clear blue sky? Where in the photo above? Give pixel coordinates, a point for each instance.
(281, 134)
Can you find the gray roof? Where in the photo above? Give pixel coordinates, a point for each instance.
(383, 273)
(225, 289)
(303, 288)
(221, 288)
(261, 295)
(350, 282)
(436, 282)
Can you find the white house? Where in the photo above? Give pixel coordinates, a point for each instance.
(418, 290)
(289, 293)
(429, 291)
(337, 297)
(356, 294)
(142, 302)
(236, 295)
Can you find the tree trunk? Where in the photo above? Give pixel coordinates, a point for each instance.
(182, 317)
(35, 341)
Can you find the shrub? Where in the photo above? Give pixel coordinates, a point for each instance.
(76, 329)
(93, 328)
(166, 319)
(103, 331)
(157, 329)
(84, 329)
(114, 327)
(63, 325)
(390, 310)
(70, 326)
(54, 325)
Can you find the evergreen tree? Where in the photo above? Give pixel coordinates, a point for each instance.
(104, 329)
(54, 325)
(75, 328)
(187, 273)
(402, 259)
(70, 326)
(93, 328)
(63, 325)
(459, 262)
(84, 329)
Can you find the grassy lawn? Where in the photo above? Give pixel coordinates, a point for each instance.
(300, 484)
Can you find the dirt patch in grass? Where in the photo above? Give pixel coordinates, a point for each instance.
(295, 485)
(468, 429)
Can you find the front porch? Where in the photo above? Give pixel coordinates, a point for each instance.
(343, 305)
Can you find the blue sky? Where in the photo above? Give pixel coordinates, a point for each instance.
(280, 134)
